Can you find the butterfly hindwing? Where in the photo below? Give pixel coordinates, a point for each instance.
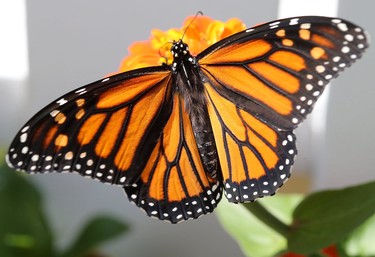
(174, 185)
(255, 157)
(105, 130)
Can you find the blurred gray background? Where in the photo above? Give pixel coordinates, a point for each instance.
(71, 43)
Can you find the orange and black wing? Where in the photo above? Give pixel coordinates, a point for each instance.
(174, 185)
(106, 130)
(260, 84)
(131, 130)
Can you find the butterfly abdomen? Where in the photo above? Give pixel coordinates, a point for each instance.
(191, 89)
(196, 107)
(195, 104)
(207, 149)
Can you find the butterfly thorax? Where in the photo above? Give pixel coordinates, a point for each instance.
(180, 53)
(190, 87)
(189, 83)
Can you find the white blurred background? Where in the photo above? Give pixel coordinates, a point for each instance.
(48, 48)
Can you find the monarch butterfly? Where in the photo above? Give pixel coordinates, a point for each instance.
(176, 136)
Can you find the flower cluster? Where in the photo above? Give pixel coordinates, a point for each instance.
(199, 34)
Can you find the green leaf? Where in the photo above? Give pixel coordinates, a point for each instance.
(361, 241)
(324, 218)
(24, 230)
(254, 237)
(341, 251)
(97, 231)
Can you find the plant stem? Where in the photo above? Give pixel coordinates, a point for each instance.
(268, 218)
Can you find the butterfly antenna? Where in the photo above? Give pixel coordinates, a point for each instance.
(196, 15)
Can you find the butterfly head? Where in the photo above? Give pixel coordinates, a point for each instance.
(180, 52)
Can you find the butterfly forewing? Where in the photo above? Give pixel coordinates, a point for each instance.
(278, 70)
(105, 130)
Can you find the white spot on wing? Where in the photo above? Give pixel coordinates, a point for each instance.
(54, 113)
(342, 27)
(23, 138)
(320, 68)
(62, 101)
(80, 90)
(336, 58)
(345, 49)
(309, 87)
(293, 21)
(274, 25)
(349, 37)
(305, 26)
(25, 129)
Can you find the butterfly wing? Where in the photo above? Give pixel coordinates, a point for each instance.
(255, 158)
(174, 185)
(130, 130)
(105, 130)
(260, 84)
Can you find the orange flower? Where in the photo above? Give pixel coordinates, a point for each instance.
(202, 32)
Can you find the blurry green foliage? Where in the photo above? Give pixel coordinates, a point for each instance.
(255, 237)
(24, 229)
(361, 242)
(326, 217)
(345, 218)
